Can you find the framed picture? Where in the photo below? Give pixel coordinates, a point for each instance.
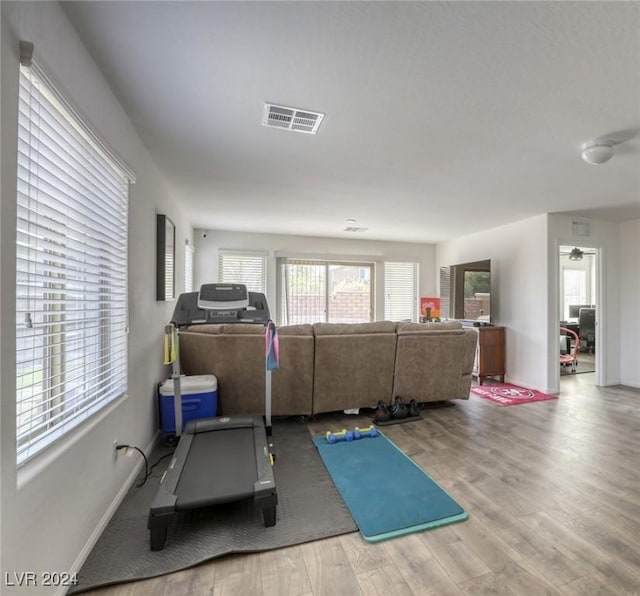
(429, 309)
(165, 258)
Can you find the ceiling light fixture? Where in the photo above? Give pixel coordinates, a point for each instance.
(597, 153)
(576, 254)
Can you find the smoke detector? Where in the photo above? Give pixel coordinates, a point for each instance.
(293, 119)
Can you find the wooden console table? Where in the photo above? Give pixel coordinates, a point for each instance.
(490, 354)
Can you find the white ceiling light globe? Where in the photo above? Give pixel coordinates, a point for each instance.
(597, 154)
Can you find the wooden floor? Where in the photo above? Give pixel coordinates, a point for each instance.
(553, 494)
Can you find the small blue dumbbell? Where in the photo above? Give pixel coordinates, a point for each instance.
(370, 431)
(343, 435)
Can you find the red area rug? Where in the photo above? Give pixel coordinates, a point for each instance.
(505, 394)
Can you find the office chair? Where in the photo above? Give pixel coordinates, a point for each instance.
(587, 327)
(569, 348)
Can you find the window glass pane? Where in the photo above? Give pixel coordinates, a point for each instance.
(304, 292)
(349, 294)
(575, 289)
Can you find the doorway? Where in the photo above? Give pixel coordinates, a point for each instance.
(578, 307)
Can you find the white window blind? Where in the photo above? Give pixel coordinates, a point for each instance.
(445, 292)
(188, 267)
(400, 291)
(243, 268)
(71, 270)
(575, 288)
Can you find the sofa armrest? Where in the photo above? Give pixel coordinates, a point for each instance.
(434, 365)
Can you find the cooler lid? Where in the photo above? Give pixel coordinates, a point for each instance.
(191, 384)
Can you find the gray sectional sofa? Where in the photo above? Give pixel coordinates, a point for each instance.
(330, 367)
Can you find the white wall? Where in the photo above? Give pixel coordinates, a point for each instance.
(630, 303)
(206, 256)
(525, 287)
(518, 290)
(53, 507)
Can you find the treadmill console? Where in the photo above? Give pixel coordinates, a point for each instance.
(223, 296)
(221, 303)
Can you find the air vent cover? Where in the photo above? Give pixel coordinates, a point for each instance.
(293, 119)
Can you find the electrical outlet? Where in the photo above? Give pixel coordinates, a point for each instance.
(115, 449)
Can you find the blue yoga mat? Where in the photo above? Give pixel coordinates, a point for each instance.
(386, 492)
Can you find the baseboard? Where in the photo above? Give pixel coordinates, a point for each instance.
(108, 514)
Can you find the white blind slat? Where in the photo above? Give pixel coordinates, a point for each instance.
(71, 271)
(241, 268)
(400, 291)
(188, 268)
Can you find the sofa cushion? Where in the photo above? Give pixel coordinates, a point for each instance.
(353, 365)
(354, 328)
(243, 329)
(237, 358)
(211, 329)
(431, 326)
(302, 330)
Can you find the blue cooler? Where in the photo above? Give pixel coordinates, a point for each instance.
(199, 400)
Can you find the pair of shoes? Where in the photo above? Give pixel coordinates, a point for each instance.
(382, 413)
(399, 409)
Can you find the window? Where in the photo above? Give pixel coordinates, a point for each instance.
(71, 270)
(575, 289)
(165, 258)
(312, 291)
(400, 291)
(188, 267)
(248, 268)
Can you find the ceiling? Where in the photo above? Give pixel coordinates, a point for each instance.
(442, 118)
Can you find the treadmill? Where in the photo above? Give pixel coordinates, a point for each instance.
(223, 459)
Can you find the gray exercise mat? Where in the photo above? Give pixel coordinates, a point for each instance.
(309, 508)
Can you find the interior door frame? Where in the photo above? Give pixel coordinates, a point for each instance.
(600, 294)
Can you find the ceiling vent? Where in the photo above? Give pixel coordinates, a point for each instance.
(291, 119)
(580, 228)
